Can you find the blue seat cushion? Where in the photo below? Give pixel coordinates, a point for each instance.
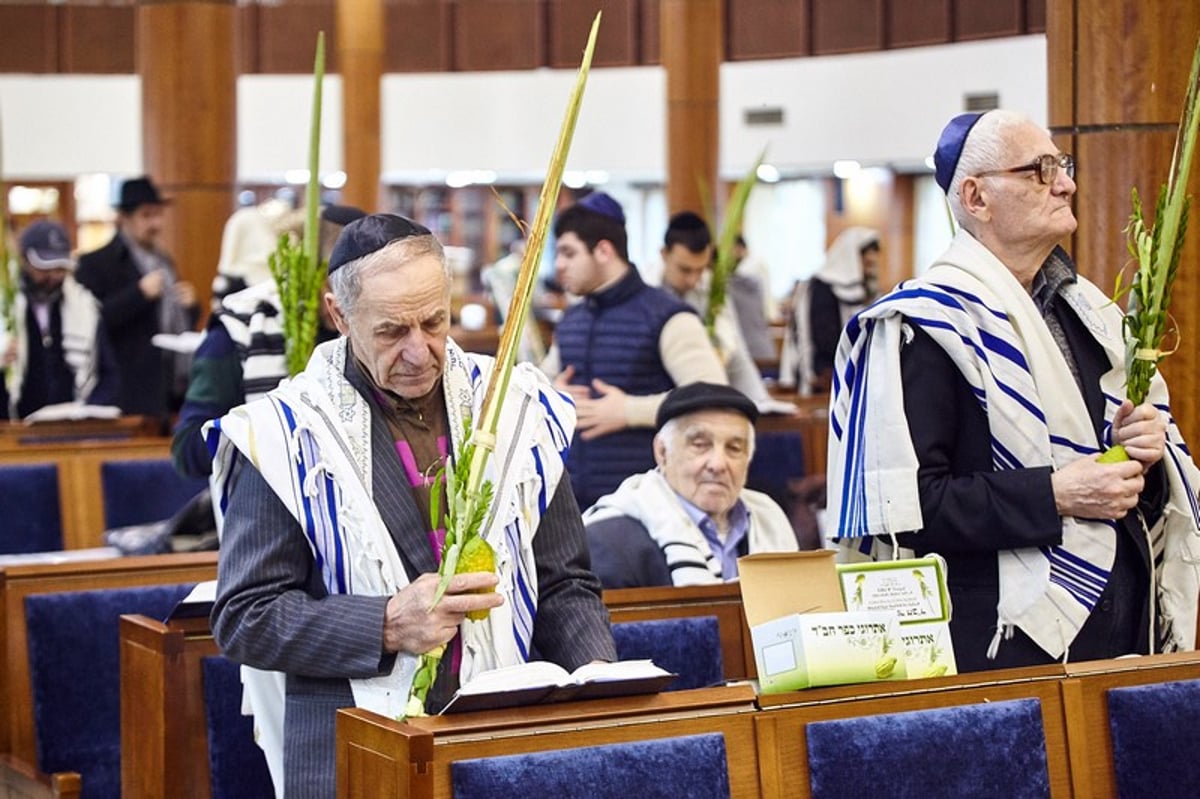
(141, 491)
(668, 768)
(29, 508)
(688, 646)
(997, 749)
(74, 669)
(1154, 751)
(237, 767)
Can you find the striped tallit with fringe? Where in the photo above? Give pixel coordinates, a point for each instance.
(972, 306)
(311, 440)
(254, 321)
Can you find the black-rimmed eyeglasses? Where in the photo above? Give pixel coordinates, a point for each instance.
(1044, 166)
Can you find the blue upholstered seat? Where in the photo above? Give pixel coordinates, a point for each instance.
(996, 749)
(141, 491)
(691, 766)
(688, 646)
(1155, 753)
(778, 459)
(32, 520)
(237, 767)
(74, 670)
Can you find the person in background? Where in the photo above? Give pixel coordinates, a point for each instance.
(846, 283)
(619, 350)
(687, 521)
(241, 356)
(376, 412)
(968, 418)
(58, 352)
(749, 289)
(140, 295)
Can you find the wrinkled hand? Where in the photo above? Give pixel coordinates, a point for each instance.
(599, 416)
(1091, 490)
(410, 626)
(152, 284)
(1142, 430)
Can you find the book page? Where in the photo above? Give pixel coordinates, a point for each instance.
(534, 674)
(621, 670)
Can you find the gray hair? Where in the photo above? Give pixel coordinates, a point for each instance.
(986, 148)
(346, 282)
(673, 429)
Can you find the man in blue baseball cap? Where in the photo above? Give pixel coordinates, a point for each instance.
(325, 487)
(969, 411)
(58, 352)
(618, 351)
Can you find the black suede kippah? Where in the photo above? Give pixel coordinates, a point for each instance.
(703, 397)
(370, 234)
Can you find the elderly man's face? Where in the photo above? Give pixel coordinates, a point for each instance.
(399, 325)
(1024, 210)
(705, 458)
(682, 268)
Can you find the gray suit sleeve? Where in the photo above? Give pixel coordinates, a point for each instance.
(572, 626)
(272, 610)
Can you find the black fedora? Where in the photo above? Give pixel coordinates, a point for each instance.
(136, 192)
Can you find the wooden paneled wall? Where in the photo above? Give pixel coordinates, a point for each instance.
(98, 36)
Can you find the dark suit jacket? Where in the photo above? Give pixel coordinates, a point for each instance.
(130, 320)
(971, 511)
(273, 612)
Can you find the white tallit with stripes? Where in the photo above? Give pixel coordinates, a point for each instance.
(311, 440)
(990, 327)
(649, 498)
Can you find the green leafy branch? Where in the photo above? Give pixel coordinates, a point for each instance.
(724, 261)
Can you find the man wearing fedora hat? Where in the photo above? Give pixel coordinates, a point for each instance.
(57, 352)
(687, 521)
(140, 296)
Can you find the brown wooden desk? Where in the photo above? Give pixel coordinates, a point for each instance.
(14, 434)
(723, 601)
(781, 726)
(18, 582)
(1085, 699)
(80, 495)
(381, 758)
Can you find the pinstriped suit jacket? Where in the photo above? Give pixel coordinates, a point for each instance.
(273, 612)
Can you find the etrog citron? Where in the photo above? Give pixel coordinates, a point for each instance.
(477, 556)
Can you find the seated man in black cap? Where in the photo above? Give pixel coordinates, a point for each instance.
(242, 354)
(687, 521)
(969, 410)
(57, 352)
(140, 296)
(620, 350)
(328, 556)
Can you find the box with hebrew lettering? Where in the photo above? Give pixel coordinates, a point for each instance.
(915, 589)
(801, 632)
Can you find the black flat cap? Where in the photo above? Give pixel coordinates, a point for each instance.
(704, 397)
(370, 234)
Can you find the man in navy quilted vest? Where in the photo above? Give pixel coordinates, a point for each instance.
(619, 350)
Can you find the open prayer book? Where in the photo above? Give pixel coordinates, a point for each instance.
(541, 682)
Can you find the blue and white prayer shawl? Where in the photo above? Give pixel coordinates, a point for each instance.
(973, 307)
(311, 440)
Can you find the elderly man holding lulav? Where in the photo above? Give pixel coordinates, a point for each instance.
(970, 407)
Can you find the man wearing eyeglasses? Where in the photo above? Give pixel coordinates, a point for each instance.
(970, 408)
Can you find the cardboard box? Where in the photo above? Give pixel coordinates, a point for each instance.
(801, 632)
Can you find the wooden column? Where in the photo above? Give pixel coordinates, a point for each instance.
(692, 46)
(360, 59)
(1117, 75)
(185, 57)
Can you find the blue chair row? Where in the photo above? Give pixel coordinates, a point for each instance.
(133, 492)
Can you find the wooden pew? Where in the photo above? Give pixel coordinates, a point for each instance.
(781, 734)
(79, 488)
(1085, 700)
(811, 421)
(15, 434)
(164, 743)
(723, 601)
(18, 582)
(382, 758)
(19, 780)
